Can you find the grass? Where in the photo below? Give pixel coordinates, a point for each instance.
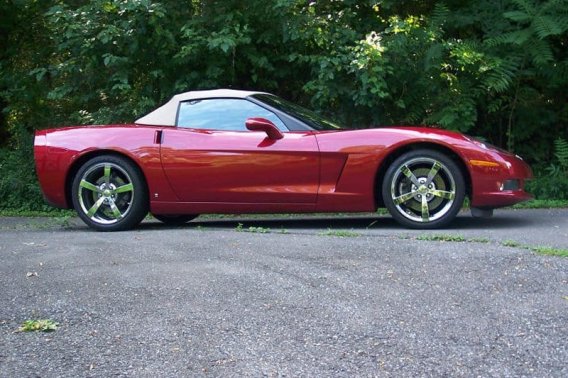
(40, 224)
(442, 237)
(550, 251)
(541, 250)
(258, 230)
(541, 204)
(38, 325)
(511, 243)
(340, 233)
(479, 240)
(55, 213)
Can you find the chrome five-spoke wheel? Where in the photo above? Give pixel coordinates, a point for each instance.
(423, 189)
(109, 194)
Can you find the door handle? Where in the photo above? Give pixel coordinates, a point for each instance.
(158, 136)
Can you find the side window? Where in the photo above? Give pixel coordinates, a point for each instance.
(222, 114)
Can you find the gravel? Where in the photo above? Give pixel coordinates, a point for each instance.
(206, 300)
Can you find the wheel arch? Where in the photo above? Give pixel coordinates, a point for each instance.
(399, 151)
(80, 161)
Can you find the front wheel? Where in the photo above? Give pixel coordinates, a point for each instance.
(110, 194)
(423, 189)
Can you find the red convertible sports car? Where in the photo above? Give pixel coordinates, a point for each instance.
(229, 151)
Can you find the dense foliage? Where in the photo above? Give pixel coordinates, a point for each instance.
(492, 68)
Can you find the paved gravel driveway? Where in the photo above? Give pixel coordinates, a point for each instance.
(207, 300)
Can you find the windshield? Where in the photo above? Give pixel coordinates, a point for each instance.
(309, 117)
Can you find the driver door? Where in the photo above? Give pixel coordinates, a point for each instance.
(210, 157)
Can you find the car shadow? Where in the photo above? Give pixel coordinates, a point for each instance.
(462, 222)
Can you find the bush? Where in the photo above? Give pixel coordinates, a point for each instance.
(19, 187)
(554, 185)
(549, 187)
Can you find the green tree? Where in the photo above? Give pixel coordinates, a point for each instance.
(493, 68)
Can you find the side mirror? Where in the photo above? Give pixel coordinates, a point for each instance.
(262, 124)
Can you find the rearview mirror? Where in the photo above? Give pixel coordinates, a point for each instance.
(262, 124)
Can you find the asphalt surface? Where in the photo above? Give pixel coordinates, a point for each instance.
(286, 297)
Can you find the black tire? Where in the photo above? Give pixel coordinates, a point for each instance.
(423, 189)
(110, 194)
(175, 219)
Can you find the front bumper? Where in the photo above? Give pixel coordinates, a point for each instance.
(499, 180)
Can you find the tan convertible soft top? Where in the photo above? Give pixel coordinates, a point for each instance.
(165, 115)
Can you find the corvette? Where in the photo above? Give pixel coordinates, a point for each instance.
(230, 151)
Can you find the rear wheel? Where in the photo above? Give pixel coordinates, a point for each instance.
(423, 189)
(175, 220)
(110, 194)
